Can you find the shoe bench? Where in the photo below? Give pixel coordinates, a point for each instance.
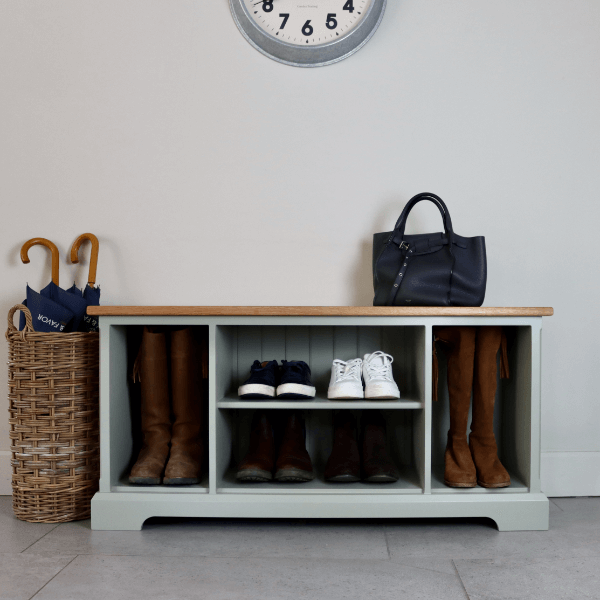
(416, 426)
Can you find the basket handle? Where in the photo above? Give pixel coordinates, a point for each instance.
(28, 320)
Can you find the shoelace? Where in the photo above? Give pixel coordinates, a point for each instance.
(347, 370)
(383, 371)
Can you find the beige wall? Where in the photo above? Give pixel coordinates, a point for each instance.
(213, 175)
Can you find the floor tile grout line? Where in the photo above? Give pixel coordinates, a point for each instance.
(557, 506)
(460, 579)
(387, 544)
(52, 578)
(41, 538)
(231, 557)
(403, 564)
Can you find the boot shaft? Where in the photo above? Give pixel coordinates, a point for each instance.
(186, 387)
(154, 380)
(489, 340)
(459, 345)
(262, 437)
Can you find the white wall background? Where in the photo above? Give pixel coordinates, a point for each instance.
(213, 175)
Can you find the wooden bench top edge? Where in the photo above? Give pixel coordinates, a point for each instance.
(320, 311)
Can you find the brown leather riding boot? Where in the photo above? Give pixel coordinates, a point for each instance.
(259, 462)
(459, 469)
(343, 465)
(377, 465)
(490, 472)
(185, 461)
(156, 422)
(293, 463)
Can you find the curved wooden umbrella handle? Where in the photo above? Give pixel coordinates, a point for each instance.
(48, 244)
(93, 257)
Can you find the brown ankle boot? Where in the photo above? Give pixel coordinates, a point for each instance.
(490, 472)
(259, 462)
(377, 465)
(343, 465)
(459, 469)
(156, 422)
(185, 461)
(293, 463)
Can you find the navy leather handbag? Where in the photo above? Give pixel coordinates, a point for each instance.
(428, 269)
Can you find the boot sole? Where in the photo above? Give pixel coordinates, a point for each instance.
(460, 485)
(181, 480)
(381, 479)
(254, 475)
(145, 480)
(343, 479)
(294, 475)
(493, 485)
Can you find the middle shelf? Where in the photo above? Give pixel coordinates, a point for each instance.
(232, 401)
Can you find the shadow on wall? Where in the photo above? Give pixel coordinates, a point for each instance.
(361, 274)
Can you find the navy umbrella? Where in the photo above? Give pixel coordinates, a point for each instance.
(91, 293)
(53, 309)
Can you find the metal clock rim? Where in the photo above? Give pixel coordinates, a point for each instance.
(312, 56)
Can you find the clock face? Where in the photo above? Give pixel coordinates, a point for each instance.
(307, 22)
(308, 33)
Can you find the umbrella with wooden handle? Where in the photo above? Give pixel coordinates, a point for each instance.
(52, 309)
(91, 293)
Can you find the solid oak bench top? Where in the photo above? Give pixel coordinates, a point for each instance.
(319, 311)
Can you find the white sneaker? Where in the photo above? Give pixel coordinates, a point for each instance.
(379, 381)
(345, 382)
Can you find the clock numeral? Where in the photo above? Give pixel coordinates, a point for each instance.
(267, 5)
(349, 6)
(307, 29)
(331, 21)
(285, 17)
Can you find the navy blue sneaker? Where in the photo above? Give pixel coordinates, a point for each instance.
(262, 381)
(295, 381)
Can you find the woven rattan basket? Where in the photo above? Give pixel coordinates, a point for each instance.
(53, 405)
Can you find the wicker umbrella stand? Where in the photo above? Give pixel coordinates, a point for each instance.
(53, 390)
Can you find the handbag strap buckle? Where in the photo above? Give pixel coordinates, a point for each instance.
(403, 245)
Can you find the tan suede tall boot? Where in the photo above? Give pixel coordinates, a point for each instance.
(156, 422)
(185, 462)
(490, 472)
(459, 470)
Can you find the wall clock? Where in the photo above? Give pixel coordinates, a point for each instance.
(308, 33)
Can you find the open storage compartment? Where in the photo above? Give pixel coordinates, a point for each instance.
(238, 346)
(125, 436)
(401, 437)
(512, 418)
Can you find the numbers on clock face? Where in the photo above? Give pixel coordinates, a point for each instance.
(307, 22)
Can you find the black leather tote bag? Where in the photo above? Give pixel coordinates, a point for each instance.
(428, 269)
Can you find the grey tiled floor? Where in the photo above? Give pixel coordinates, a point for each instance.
(330, 560)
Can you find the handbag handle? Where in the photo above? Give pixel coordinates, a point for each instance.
(401, 222)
